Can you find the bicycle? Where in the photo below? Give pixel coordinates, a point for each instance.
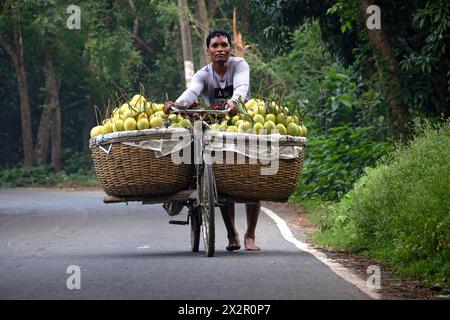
(201, 198)
(201, 211)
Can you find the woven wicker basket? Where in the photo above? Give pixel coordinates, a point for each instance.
(133, 171)
(245, 181)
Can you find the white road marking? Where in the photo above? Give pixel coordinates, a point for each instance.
(337, 268)
(144, 247)
(11, 246)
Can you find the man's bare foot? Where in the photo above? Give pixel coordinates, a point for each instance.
(233, 244)
(250, 244)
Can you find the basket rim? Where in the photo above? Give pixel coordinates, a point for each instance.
(283, 139)
(166, 133)
(122, 136)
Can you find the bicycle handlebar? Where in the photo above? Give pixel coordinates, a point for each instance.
(175, 110)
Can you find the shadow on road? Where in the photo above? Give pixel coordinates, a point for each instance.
(186, 254)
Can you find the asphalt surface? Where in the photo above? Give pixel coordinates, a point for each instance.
(131, 252)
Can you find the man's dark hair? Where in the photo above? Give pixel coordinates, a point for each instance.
(217, 33)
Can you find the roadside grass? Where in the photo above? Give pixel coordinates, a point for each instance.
(45, 176)
(399, 211)
(77, 172)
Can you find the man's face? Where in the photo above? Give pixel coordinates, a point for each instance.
(219, 49)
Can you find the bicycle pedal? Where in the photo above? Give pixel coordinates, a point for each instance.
(178, 222)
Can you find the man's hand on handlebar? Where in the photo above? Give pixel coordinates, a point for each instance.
(182, 105)
(232, 105)
(168, 107)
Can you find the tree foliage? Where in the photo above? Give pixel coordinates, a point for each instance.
(315, 55)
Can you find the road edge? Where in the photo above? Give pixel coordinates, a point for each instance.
(335, 267)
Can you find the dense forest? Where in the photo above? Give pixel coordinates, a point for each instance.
(369, 79)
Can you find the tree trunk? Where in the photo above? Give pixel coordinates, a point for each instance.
(441, 106)
(48, 113)
(25, 112)
(16, 55)
(56, 140)
(398, 110)
(212, 7)
(135, 33)
(186, 41)
(245, 19)
(88, 123)
(43, 136)
(52, 92)
(202, 18)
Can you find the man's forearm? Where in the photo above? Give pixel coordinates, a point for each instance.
(188, 97)
(241, 81)
(191, 94)
(240, 93)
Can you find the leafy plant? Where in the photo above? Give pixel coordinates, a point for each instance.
(399, 211)
(77, 162)
(334, 162)
(78, 170)
(27, 176)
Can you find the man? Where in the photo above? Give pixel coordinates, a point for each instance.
(223, 82)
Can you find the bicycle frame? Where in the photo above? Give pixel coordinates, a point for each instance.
(200, 202)
(198, 139)
(202, 211)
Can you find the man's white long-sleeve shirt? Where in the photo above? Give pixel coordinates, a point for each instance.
(216, 90)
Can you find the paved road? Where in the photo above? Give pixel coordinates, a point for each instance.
(131, 252)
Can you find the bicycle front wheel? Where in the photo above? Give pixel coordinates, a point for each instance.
(195, 230)
(207, 209)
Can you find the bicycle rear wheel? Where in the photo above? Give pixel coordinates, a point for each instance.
(207, 206)
(195, 230)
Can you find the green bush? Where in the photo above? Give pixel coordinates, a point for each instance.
(399, 212)
(345, 115)
(77, 162)
(77, 171)
(27, 176)
(333, 163)
(305, 67)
